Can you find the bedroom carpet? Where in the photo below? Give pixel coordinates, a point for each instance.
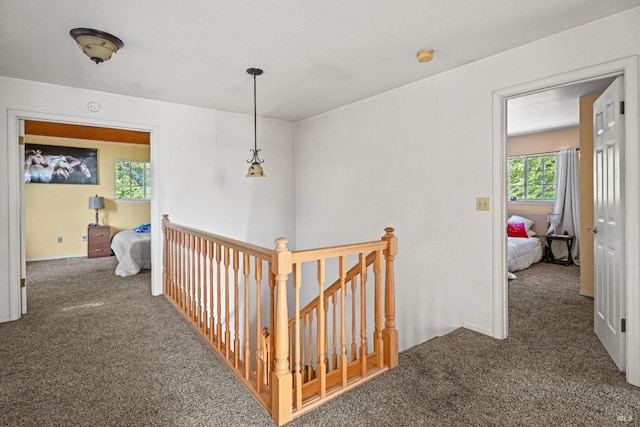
(97, 350)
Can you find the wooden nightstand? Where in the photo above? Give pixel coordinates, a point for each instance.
(98, 241)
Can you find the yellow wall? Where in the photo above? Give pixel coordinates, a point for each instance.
(536, 143)
(53, 210)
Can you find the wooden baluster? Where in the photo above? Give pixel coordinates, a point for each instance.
(297, 374)
(212, 317)
(198, 280)
(236, 306)
(247, 350)
(172, 264)
(262, 375)
(182, 264)
(185, 269)
(363, 315)
(267, 356)
(192, 301)
(390, 334)
(169, 268)
(354, 352)
(227, 309)
(203, 286)
(326, 335)
(292, 340)
(187, 282)
(302, 347)
(281, 380)
(219, 294)
(177, 264)
(325, 356)
(272, 307)
(165, 254)
(377, 333)
(343, 324)
(309, 366)
(321, 367)
(334, 358)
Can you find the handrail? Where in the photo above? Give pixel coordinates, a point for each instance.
(226, 241)
(335, 251)
(234, 295)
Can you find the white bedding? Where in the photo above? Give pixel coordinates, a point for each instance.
(133, 251)
(521, 252)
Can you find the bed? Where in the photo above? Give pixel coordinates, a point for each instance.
(133, 251)
(523, 246)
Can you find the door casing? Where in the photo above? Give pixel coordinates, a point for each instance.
(629, 68)
(16, 174)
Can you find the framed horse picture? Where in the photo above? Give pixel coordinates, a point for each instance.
(52, 164)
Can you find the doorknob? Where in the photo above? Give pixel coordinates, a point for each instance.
(593, 230)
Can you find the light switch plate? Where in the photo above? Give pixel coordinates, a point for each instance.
(482, 203)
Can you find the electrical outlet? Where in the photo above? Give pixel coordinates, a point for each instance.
(482, 203)
(59, 239)
(84, 238)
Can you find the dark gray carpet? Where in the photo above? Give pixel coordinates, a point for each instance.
(98, 350)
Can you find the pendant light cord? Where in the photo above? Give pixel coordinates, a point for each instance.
(255, 116)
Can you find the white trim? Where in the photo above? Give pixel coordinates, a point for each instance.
(15, 174)
(51, 258)
(629, 68)
(476, 328)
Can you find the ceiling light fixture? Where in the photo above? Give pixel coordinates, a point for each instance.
(97, 45)
(425, 55)
(255, 169)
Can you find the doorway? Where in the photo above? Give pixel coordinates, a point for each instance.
(627, 67)
(15, 121)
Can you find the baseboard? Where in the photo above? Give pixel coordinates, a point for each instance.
(478, 329)
(57, 257)
(586, 294)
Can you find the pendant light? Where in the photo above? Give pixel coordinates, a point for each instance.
(256, 168)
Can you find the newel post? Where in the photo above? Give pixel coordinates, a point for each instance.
(390, 334)
(281, 378)
(165, 254)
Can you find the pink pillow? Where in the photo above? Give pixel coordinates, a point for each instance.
(516, 229)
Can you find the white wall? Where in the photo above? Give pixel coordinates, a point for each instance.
(198, 158)
(415, 158)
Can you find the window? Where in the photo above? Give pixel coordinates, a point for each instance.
(532, 177)
(133, 180)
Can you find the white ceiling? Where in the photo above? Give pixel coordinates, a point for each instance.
(551, 109)
(317, 55)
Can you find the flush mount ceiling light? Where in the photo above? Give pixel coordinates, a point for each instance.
(255, 169)
(97, 45)
(425, 55)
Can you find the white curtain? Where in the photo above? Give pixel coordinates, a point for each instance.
(567, 202)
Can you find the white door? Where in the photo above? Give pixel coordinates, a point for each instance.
(609, 258)
(23, 250)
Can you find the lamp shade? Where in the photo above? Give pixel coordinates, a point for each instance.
(96, 202)
(255, 170)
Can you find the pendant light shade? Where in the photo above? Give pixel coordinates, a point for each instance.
(255, 170)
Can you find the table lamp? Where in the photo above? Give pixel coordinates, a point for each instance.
(553, 220)
(96, 203)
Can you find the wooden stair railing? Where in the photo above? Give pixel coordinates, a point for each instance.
(290, 365)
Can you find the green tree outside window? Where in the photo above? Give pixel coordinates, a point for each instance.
(532, 177)
(133, 180)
